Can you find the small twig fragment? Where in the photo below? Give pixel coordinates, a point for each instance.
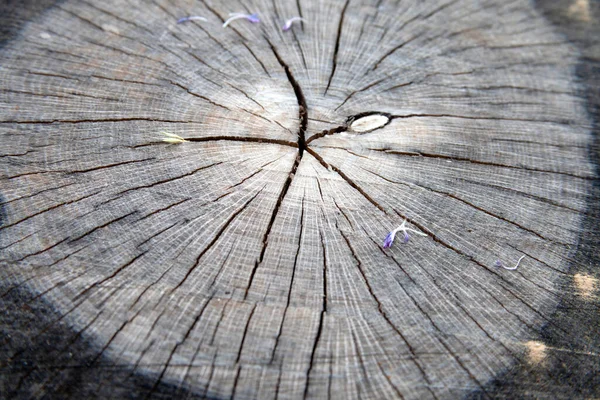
(191, 18)
(499, 264)
(389, 239)
(288, 24)
(250, 17)
(172, 138)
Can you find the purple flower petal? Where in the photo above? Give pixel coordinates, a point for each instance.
(253, 18)
(233, 16)
(389, 239)
(406, 237)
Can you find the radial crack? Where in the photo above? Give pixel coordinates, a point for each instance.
(303, 117)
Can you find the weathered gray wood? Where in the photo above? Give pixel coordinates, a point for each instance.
(247, 261)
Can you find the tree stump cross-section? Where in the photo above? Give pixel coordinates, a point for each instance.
(246, 260)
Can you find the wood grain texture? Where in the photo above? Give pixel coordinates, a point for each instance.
(247, 262)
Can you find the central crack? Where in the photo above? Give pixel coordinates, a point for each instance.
(303, 110)
(302, 147)
(303, 117)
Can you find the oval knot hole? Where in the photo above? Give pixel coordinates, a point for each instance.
(369, 123)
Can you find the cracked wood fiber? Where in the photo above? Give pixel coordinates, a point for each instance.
(247, 262)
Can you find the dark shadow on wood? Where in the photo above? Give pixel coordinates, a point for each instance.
(569, 372)
(71, 371)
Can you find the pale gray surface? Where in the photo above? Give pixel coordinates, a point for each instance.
(183, 262)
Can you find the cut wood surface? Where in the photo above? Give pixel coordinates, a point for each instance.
(243, 256)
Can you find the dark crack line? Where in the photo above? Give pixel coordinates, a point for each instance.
(93, 24)
(313, 352)
(226, 138)
(384, 178)
(163, 209)
(468, 203)
(563, 273)
(169, 179)
(303, 117)
(265, 239)
(173, 264)
(361, 90)
(256, 115)
(101, 353)
(324, 133)
(482, 118)
(393, 50)
(544, 144)
(300, 14)
(18, 241)
(138, 362)
(31, 173)
(337, 45)
(157, 233)
(259, 170)
(278, 383)
(485, 267)
(218, 324)
(389, 381)
(343, 213)
(477, 162)
(299, 46)
(108, 78)
(247, 326)
(303, 108)
(57, 286)
(522, 194)
(201, 61)
(45, 249)
(399, 86)
(420, 17)
(319, 185)
(324, 271)
(289, 296)
(220, 271)
(491, 214)
(216, 14)
(246, 95)
(82, 171)
(177, 345)
(199, 96)
(70, 94)
(345, 177)
(103, 226)
(99, 120)
(434, 282)
(217, 236)
(381, 310)
(117, 17)
(67, 256)
(244, 139)
(235, 381)
(100, 282)
(456, 302)
(17, 154)
(49, 209)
